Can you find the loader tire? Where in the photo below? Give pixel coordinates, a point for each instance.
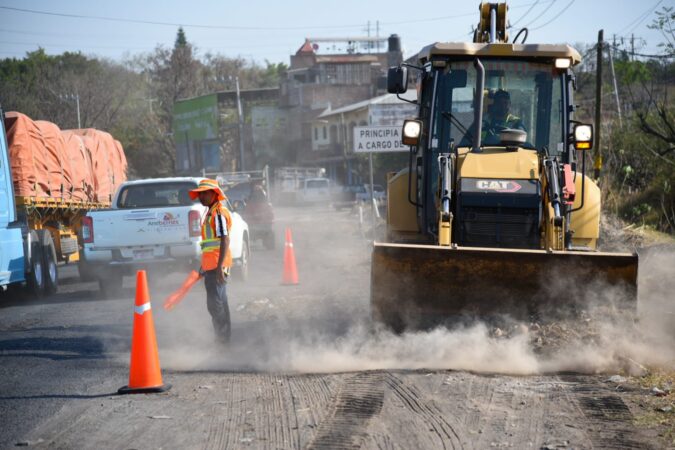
(51, 274)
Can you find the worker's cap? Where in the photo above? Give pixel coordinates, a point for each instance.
(207, 185)
(501, 93)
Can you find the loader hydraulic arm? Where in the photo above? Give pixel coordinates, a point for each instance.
(552, 170)
(444, 214)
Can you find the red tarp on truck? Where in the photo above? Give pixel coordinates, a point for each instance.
(60, 173)
(98, 145)
(80, 161)
(123, 164)
(114, 160)
(27, 156)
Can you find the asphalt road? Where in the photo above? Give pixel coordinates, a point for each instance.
(304, 369)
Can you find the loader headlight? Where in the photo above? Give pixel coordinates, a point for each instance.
(583, 137)
(412, 130)
(562, 63)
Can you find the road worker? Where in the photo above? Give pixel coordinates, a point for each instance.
(216, 255)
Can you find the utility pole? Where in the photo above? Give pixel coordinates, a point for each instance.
(377, 35)
(242, 166)
(75, 97)
(616, 89)
(632, 47)
(597, 165)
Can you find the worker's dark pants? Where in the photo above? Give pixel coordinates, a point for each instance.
(216, 301)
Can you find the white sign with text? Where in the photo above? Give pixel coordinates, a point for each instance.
(378, 140)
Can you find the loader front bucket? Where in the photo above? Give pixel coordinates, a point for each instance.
(419, 285)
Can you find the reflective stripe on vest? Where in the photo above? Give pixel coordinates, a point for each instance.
(210, 243)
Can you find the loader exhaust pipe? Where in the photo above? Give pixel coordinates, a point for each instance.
(478, 112)
(493, 23)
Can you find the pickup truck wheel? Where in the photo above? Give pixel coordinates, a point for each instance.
(36, 279)
(51, 275)
(241, 270)
(111, 283)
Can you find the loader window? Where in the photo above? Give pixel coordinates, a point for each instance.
(518, 94)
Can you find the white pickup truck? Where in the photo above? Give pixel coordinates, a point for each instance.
(151, 223)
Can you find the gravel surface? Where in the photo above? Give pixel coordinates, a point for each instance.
(306, 369)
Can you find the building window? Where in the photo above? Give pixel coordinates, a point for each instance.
(325, 133)
(316, 134)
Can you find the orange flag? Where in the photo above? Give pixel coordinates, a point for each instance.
(175, 298)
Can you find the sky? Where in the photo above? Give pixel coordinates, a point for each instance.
(272, 30)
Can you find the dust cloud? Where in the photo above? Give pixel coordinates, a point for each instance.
(323, 326)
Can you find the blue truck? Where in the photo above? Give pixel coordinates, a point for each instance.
(21, 256)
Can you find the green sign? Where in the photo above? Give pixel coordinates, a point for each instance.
(196, 119)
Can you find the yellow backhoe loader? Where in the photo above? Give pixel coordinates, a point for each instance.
(494, 213)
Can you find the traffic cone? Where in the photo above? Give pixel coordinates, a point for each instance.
(145, 376)
(290, 270)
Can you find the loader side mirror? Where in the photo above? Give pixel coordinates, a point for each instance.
(412, 130)
(583, 136)
(397, 80)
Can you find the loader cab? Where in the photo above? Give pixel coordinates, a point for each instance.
(452, 93)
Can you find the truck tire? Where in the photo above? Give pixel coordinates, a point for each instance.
(36, 278)
(240, 271)
(51, 274)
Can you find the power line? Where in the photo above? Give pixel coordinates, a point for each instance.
(540, 14)
(523, 16)
(555, 17)
(240, 28)
(641, 18)
(663, 56)
(172, 24)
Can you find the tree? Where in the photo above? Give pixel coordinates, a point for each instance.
(181, 40)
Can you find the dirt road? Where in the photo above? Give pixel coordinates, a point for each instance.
(306, 370)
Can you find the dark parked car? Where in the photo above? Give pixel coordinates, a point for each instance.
(250, 201)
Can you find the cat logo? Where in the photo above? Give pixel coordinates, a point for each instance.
(498, 185)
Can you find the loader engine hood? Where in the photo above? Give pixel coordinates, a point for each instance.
(499, 200)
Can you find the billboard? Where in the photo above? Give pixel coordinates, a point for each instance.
(196, 119)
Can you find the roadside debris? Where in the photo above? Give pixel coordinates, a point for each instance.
(658, 392)
(160, 417)
(617, 379)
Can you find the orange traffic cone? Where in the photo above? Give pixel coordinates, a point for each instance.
(290, 269)
(145, 376)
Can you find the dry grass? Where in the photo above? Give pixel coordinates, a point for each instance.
(656, 414)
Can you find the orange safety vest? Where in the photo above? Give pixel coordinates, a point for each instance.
(211, 242)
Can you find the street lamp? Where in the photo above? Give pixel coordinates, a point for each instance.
(75, 97)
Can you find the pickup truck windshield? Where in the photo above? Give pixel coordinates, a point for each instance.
(151, 195)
